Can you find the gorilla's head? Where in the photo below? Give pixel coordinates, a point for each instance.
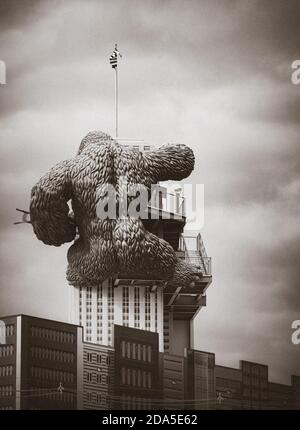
(95, 137)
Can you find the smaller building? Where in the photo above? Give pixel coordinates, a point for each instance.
(200, 391)
(295, 401)
(280, 396)
(228, 387)
(39, 365)
(98, 376)
(173, 381)
(255, 385)
(137, 382)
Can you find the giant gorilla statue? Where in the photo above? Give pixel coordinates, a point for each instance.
(108, 246)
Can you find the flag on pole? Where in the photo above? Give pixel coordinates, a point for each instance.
(113, 59)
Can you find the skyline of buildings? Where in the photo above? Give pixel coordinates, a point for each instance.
(46, 364)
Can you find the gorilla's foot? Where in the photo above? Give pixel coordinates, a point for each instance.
(185, 274)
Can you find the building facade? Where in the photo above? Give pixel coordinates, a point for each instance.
(39, 366)
(173, 381)
(229, 387)
(137, 374)
(200, 380)
(98, 376)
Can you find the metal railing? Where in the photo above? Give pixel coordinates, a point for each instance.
(194, 252)
(135, 144)
(168, 202)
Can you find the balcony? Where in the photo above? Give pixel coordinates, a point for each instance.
(185, 303)
(165, 205)
(135, 144)
(191, 249)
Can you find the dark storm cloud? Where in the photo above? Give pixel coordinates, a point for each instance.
(214, 75)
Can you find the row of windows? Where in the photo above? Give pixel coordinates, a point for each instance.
(6, 408)
(136, 351)
(100, 378)
(255, 380)
(53, 335)
(251, 368)
(6, 370)
(135, 403)
(6, 390)
(256, 394)
(98, 358)
(136, 378)
(110, 313)
(52, 374)
(99, 314)
(95, 397)
(52, 354)
(6, 350)
(65, 396)
(7, 330)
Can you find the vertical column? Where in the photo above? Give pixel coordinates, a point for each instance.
(131, 306)
(79, 368)
(18, 361)
(71, 304)
(105, 312)
(152, 312)
(94, 314)
(75, 310)
(160, 318)
(83, 312)
(142, 308)
(118, 314)
(191, 345)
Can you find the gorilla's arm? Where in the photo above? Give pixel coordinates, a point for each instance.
(49, 208)
(170, 162)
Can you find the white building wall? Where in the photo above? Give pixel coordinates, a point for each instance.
(77, 316)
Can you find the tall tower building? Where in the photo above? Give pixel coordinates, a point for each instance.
(143, 303)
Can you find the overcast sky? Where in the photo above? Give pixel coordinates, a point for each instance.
(213, 75)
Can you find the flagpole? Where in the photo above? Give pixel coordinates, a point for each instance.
(113, 59)
(116, 98)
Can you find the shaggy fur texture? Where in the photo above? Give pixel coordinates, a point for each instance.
(105, 246)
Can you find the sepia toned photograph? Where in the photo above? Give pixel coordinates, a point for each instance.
(150, 202)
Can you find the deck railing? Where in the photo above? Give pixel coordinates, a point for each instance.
(194, 252)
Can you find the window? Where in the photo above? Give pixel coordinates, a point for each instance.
(136, 307)
(149, 358)
(147, 309)
(156, 312)
(52, 354)
(6, 391)
(6, 350)
(6, 370)
(123, 347)
(123, 375)
(10, 329)
(53, 335)
(52, 374)
(110, 312)
(125, 306)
